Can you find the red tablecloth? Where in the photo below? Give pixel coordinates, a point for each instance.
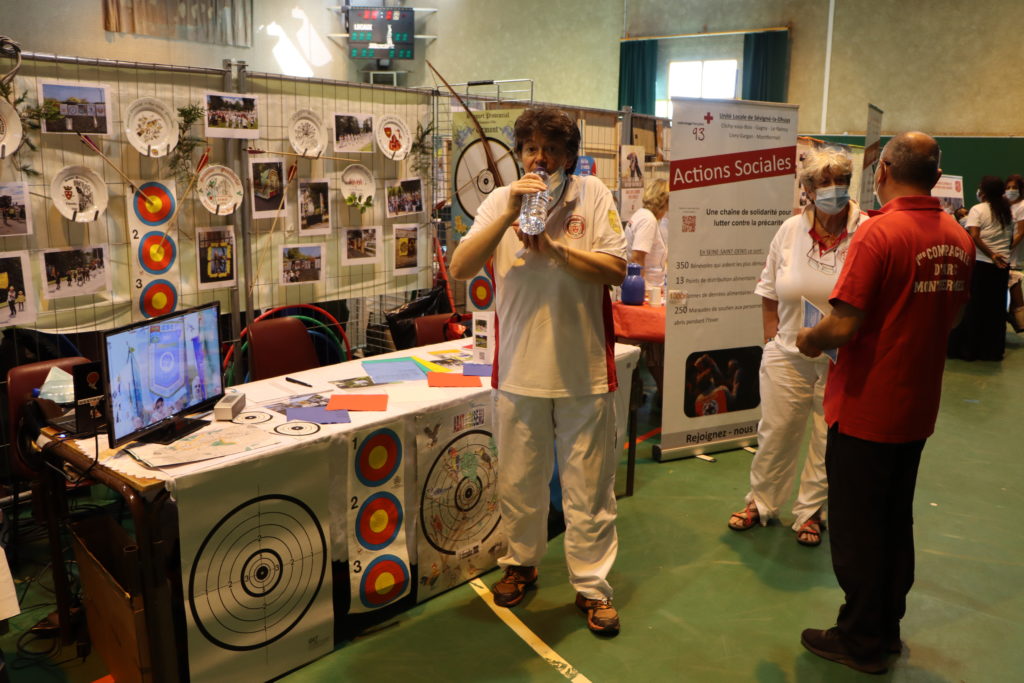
(643, 323)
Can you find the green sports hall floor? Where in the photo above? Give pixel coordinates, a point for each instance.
(700, 602)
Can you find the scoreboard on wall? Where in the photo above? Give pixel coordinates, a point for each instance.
(380, 32)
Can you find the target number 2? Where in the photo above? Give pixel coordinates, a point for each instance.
(355, 503)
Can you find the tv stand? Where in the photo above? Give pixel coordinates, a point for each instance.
(179, 427)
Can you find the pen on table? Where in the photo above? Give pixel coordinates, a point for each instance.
(297, 381)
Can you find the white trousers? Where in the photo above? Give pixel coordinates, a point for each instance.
(792, 388)
(529, 431)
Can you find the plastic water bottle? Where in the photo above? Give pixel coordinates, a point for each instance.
(633, 287)
(533, 213)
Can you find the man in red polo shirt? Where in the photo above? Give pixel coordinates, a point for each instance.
(902, 289)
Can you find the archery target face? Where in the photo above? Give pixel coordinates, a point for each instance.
(379, 520)
(378, 457)
(157, 298)
(459, 502)
(474, 181)
(158, 208)
(257, 572)
(157, 252)
(481, 292)
(383, 580)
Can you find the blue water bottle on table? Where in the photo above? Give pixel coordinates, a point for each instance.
(633, 287)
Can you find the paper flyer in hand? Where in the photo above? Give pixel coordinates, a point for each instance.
(812, 316)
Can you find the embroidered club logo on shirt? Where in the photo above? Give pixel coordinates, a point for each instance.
(575, 226)
(614, 222)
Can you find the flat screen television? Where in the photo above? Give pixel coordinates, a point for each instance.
(157, 371)
(381, 32)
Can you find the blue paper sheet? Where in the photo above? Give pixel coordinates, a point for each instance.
(319, 415)
(397, 370)
(477, 369)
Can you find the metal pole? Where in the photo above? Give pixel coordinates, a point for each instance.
(246, 221)
(234, 162)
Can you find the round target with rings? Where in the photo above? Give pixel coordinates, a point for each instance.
(384, 580)
(153, 204)
(157, 252)
(252, 417)
(379, 520)
(257, 572)
(474, 181)
(378, 457)
(297, 428)
(157, 298)
(481, 292)
(459, 501)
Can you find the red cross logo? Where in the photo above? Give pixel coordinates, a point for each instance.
(708, 118)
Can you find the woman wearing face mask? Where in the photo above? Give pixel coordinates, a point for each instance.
(804, 261)
(1014, 186)
(981, 335)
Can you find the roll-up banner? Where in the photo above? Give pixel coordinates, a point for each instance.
(872, 154)
(731, 186)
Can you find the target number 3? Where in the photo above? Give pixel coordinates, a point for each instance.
(357, 566)
(138, 283)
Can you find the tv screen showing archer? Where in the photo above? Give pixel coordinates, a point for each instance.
(160, 369)
(381, 33)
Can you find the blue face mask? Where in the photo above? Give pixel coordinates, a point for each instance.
(832, 200)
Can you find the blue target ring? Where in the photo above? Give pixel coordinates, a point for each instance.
(160, 206)
(383, 581)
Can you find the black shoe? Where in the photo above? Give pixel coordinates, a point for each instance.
(829, 645)
(510, 590)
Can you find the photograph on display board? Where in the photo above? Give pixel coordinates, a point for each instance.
(15, 210)
(230, 115)
(362, 246)
(81, 107)
(353, 132)
(74, 271)
(268, 187)
(722, 381)
(17, 298)
(406, 249)
(215, 257)
(405, 197)
(314, 207)
(301, 264)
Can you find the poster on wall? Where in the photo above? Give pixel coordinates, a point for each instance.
(314, 207)
(407, 248)
(353, 132)
(631, 180)
(15, 210)
(230, 115)
(872, 154)
(81, 107)
(379, 568)
(457, 481)
(17, 297)
(75, 271)
(730, 184)
(153, 245)
(404, 197)
(215, 257)
(362, 245)
(255, 568)
(950, 191)
(301, 264)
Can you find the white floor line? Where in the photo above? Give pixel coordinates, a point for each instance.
(529, 637)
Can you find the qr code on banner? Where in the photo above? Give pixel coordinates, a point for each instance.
(689, 223)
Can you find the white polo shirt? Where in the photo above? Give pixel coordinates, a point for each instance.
(555, 331)
(648, 238)
(993, 233)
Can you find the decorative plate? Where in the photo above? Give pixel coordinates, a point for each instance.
(358, 180)
(79, 193)
(393, 137)
(307, 134)
(10, 129)
(150, 127)
(219, 189)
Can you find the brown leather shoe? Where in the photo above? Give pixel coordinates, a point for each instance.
(602, 617)
(510, 589)
(829, 645)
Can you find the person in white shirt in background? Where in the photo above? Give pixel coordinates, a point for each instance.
(1013, 194)
(804, 261)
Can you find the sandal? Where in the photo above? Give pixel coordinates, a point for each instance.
(809, 532)
(745, 518)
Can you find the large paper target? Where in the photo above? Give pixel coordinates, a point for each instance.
(379, 520)
(158, 208)
(157, 252)
(378, 457)
(459, 502)
(481, 292)
(157, 298)
(257, 572)
(474, 181)
(383, 580)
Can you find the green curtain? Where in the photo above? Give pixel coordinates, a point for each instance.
(638, 66)
(765, 66)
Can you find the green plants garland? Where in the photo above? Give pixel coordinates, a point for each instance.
(181, 156)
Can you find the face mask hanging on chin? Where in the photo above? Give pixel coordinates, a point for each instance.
(555, 181)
